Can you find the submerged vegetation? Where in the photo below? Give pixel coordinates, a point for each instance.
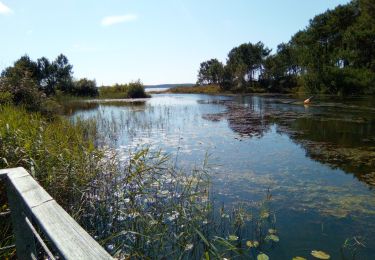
(334, 54)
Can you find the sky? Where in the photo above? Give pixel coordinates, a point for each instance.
(156, 41)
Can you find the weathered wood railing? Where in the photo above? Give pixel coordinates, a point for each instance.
(30, 204)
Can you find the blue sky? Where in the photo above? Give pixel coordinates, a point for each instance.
(160, 41)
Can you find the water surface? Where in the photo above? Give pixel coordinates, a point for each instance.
(317, 161)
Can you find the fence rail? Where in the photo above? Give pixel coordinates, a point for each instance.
(29, 203)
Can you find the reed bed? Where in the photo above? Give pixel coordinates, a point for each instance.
(142, 206)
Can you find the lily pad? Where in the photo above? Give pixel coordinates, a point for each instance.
(320, 254)
(262, 256)
(273, 238)
(232, 238)
(264, 214)
(272, 231)
(252, 243)
(298, 258)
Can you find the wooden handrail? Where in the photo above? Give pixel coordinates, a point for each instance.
(29, 201)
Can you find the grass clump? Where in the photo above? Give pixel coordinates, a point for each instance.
(204, 89)
(131, 90)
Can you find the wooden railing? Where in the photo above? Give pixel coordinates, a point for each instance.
(33, 209)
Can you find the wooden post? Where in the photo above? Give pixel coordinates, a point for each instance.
(25, 243)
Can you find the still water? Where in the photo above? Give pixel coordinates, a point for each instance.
(317, 161)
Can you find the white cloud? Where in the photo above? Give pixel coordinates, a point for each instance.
(115, 19)
(5, 9)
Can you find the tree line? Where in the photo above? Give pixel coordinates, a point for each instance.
(48, 76)
(334, 54)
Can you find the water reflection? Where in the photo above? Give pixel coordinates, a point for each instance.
(340, 135)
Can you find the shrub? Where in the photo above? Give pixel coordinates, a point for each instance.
(136, 90)
(6, 98)
(85, 87)
(24, 92)
(131, 90)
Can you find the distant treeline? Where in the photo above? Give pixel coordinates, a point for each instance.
(37, 85)
(170, 85)
(47, 76)
(334, 54)
(33, 84)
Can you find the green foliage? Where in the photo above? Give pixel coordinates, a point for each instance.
(136, 90)
(48, 76)
(6, 98)
(60, 155)
(245, 62)
(30, 81)
(335, 54)
(54, 75)
(131, 90)
(24, 92)
(206, 89)
(85, 87)
(210, 72)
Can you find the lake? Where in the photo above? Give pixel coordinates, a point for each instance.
(317, 161)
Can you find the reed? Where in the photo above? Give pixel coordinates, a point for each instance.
(140, 206)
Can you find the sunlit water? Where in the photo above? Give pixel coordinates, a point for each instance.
(317, 207)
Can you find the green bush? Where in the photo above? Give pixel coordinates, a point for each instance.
(24, 92)
(6, 98)
(85, 87)
(131, 90)
(136, 90)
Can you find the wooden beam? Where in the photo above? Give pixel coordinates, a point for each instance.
(69, 239)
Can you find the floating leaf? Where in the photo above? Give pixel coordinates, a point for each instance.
(189, 247)
(320, 254)
(264, 214)
(273, 238)
(272, 231)
(263, 256)
(232, 238)
(252, 243)
(298, 258)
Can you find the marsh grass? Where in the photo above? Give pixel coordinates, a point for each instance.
(61, 156)
(148, 208)
(215, 89)
(206, 89)
(130, 90)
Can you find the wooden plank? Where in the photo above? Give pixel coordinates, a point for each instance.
(15, 172)
(30, 191)
(69, 239)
